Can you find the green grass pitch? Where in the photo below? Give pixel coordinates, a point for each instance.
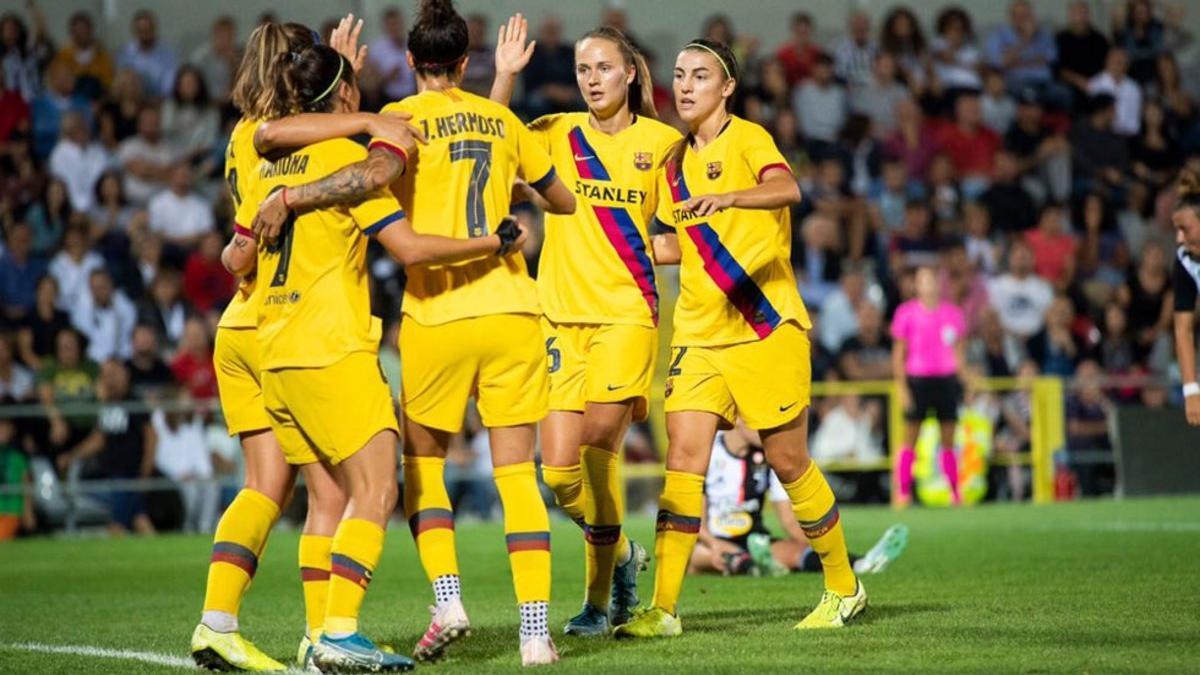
(1084, 587)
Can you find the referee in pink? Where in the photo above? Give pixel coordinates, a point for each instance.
(928, 353)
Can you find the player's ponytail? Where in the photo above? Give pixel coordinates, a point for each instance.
(724, 56)
(255, 84)
(309, 80)
(438, 38)
(641, 90)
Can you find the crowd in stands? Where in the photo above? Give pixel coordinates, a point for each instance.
(1033, 162)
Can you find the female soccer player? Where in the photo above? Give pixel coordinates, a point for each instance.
(928, 357)
(1187, 287)
(740, 346)
(597, 290)
(242, 531)
(468, 329)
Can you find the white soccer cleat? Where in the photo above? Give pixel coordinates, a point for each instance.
(449, 624)
(538, 651)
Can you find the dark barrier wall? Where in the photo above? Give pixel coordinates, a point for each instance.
(1158, 453)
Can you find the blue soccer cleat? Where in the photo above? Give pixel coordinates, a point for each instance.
(624, 588)
(356, 654)
(588, 623)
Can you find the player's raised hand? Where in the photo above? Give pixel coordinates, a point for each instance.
(512, 54)
(706, 205)
(272, 214)
(397, 129)
(344, 40)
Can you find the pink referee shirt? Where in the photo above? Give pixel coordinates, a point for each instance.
(930, 335)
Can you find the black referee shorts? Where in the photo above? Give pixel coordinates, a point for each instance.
(940, 394)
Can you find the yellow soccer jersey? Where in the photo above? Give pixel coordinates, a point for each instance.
(315, 302)
(736, 283)
(241, 159)
(597, 264)
(460, 185)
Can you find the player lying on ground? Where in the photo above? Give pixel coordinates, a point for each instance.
(733, 535)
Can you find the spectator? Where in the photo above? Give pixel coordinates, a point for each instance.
(997, 352)
(799, 54)
(481, 56)
(164, 310)
(191, 121)
(996, 105)
(14, 113)
(775, 96)
(945, 194)
(79, 161)
(218, 58)
(1022, 49)
(1116, 350)
(148, 373)
(839, 312)
(916, 244)
(106, 318)
(52, 105)
(148, 250)
(389, 56)
(912, 141)
(955, 56)
(193, 364)
(901, 38)
(16, 381)
(1010, 208)
(111, 211)
(977, 224)
(1177, 99)
(49, 216)
(86, 58)
(16, 508)
(39, 331)
(73, 266)
(1146, 297)
(1087, 431)
(970, 145)
(820, 265)
(1100, 156)
(961, 284)
(1054, 249)
(21, 53)
(182, 455)
(1081, 49)
(146, 157)
(146, 55)
(119, 113)
(20, 271)
(855, 51)
(1043, 156)
(123, 444)
(1114, 80)
(1155, 152)
(1055, 348)
(859, 153)
(178, 214)
(880, 96)
(867, 355)
(1019, 297)
(67, 381)
(820, 105)
(206, 283)
(1141, 35)
(887, 202)
(1015, 433)
(549, 78)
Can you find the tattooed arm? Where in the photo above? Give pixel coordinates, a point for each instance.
(240, 254)
(383, 165)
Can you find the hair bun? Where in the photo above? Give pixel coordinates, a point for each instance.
(1189, 184)
(436, 11)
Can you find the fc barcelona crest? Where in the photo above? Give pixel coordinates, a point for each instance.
(642, 161)
(714, 170)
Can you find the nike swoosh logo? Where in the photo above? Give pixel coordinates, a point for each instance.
(586, 157)
(613, 387)
(785, 408)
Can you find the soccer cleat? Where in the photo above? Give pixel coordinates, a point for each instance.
(356, 654)
(884, 552)
(538, 651)
(765, 563)
(228, 651)
(449, 624)
(624, 588)
(834, 611)
(650, 623)
(588, 622)
(304, 656)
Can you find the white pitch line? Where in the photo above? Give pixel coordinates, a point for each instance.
(101, 652)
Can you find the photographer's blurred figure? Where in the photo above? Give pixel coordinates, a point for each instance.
(16, 508)
(733, 536)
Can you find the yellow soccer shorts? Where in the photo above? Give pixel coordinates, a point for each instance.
(498, 358)
(329, 413)
(599, 363)
(235, 358)
(767, 382)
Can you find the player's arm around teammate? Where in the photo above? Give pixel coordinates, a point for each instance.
(1186, 219)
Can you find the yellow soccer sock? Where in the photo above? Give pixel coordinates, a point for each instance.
(566, 482)
(238, 542)
(604, 512)
(357, 546)
(430, 518)
(814, 506)
(314, 580)
(526, 531)
(677, 530)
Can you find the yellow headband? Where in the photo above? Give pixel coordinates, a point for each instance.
(710, 50)
(338, 78)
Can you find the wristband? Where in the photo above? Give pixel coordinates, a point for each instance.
(283, 197)
(1191, 389)
(508, 233)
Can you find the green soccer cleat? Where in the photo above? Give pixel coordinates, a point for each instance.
(624, 588)
(650, 623)
(834, 611)
(765, 564)
(587, 623)
(228, 651)
(884, 552)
